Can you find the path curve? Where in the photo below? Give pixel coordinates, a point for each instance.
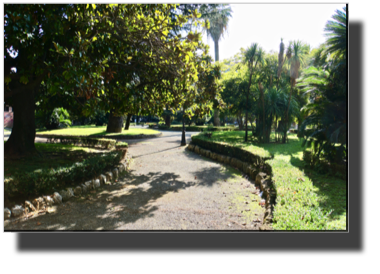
(167, 188)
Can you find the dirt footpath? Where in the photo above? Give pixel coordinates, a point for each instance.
(167, 188)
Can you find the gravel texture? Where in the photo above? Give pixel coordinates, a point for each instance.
(167, 188)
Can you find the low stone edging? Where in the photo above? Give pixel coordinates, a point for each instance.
(118, 137)
(63, 195)
(262, 179)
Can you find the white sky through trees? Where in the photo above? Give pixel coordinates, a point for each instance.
(266, 24)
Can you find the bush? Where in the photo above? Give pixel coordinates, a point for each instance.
(58, 118)
(50, 180)
(83, 141)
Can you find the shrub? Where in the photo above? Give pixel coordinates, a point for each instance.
(83, 141)
(50, 180)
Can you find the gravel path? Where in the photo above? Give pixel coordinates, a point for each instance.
(167, 188)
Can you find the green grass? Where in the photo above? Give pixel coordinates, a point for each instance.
(306, 200)
(236, 139)
(52, 156)
(94, 131)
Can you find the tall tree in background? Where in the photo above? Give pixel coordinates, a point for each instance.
(218, 15)
(253, 54)
(296, 53)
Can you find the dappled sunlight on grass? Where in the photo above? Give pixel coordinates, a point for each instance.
(94, 130)
(52, 156)
(306, 200)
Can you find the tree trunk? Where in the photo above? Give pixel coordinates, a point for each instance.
(115, 124)
(168, 120)
(286, 116)
(216, 118)
(21, 140)
(183, 140)
(216, 46)
(128, 121)
(216, 111)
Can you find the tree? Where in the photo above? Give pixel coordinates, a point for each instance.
(218, 17)
(325, 86)
(296, 55)
(93, 55)
(254, 53)
(336, 33)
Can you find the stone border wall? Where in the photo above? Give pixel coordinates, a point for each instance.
(118, 137)
(258, 171)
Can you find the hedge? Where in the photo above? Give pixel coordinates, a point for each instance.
(228, 150)
(84, 141)
(196, 128)
(49, 180)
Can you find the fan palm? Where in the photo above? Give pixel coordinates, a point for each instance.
(218, 16)
(336, 31)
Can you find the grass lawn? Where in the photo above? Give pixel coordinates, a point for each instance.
(306, 200)
(94, 131)
(52, 156)
(58, 166)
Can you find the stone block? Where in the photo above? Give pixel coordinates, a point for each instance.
(57, 198)
(259, 177)
(239, 164)
(214, 156)
(84, 188)
(48, 200)
(109, 176)
(102, 178)
(96, 183)
(196, 149)
(227, 160)
(17, 210)
(39, 202)
(78, 191)
(115, 173)
(7, 213)
(219, 158)
(30, 205)
(89, 185)
(70, 192)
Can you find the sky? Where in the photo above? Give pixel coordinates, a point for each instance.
(266, 24)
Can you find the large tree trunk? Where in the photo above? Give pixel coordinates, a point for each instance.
(168, 120)
(216, 118)
(115, 124)
(21, 141)
(128, 121)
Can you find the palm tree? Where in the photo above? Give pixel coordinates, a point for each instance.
(336, 31)
(296, 54)
(218, 16)
(252, 54)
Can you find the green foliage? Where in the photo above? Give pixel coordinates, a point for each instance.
(325, 86)
(49, 180)
(83, 141)
(58, 118)
(336, 31)
(306, 200)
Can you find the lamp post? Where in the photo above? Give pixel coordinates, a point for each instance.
(183, 141)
